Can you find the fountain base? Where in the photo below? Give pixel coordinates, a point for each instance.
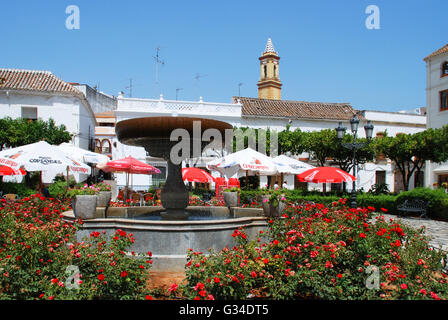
(174, 214)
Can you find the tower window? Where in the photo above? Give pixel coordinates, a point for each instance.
(265, 71)
(275, 70)
(444, 71)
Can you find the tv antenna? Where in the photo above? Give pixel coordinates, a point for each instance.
(239, 89)
(130, 88)
(158, 61)
(177, 91)
(196, 82)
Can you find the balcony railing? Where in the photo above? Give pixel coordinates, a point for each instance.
(127, 106)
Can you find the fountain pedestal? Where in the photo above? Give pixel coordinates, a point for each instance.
(174, 194)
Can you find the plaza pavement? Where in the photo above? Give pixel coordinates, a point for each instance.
(436, 230)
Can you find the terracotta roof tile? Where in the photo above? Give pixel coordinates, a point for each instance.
(444, 49)
(34, 80)
(295, 109)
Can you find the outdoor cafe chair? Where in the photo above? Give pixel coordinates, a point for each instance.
(10, 197)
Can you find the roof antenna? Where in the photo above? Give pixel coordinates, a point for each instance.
(130, 88)
(239, 89)
(158, 61)
(177, 91)
(196, 82)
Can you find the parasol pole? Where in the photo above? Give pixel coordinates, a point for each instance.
(246, 177)
(68, 184)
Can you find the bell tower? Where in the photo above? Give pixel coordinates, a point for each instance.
(269, 86)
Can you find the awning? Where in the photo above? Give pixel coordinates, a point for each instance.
(441, 169)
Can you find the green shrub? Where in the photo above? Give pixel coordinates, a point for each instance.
(58, 189)
(438, 207)
(17, 188)
(200, 192)
(380, 201)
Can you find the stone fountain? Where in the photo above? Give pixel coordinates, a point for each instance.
(153, 133)
(180, 229)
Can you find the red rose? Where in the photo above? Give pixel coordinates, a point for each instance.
(101, 277)
(123, 274)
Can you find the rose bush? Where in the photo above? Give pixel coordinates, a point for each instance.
(322, 252)
(41, 259)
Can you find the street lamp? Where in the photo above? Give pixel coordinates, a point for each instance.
(340, 131)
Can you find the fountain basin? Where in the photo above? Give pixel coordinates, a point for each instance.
(169, 240)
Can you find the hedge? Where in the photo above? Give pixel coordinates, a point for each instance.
(21, 189)
(438, 199)
(438, 207)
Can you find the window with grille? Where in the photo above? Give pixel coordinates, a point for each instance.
(444, 100)
(444, 69)
(29, 113)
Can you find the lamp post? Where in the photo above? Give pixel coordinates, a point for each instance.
(340, 130)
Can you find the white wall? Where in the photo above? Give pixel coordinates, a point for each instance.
(67, 110)
(436, 118)
(434, 85)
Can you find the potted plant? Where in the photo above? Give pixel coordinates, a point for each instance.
(83, 201)
(278, 204)
(232, 197)
(273, 204)
(104, 194)
(263, 196)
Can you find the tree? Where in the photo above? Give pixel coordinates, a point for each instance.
(257, 139)
(321, 144)
(18, 132)
(410, 151)
(291, 141)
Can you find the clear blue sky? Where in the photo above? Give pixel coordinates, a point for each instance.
(327, 53)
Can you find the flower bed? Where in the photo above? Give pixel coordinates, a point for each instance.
(41, 259)
(311, 252)
(321, 252)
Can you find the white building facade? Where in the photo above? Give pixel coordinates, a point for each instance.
(35, 94)
(437, 108)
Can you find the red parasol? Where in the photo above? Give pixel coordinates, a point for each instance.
(8, 171)
(128, 165)
(325, 175)
(196, 175)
